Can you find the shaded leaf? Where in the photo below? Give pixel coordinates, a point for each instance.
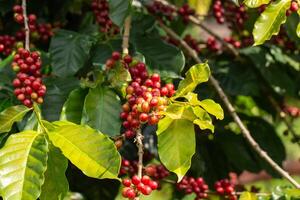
(102, 109)
(11, 115)
(23, 161)
(118, 10)
(73, 107)
(270, 20)
(69, 51)
(178, 140)
(91, 151)
(56, 184)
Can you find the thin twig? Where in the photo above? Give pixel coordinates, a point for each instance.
(232, 112)
(27, 31)
(197, 21)
(125, 44)
(139, 143)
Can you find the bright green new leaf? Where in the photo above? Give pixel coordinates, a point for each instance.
(255, 3)
(11, 115)
(212, 108)
(270, 20)
(203, 121)
(176, 145)
(23, 161)
(248, 196)
(197, 74)
(209, 105)
(56, 185)
(102, 109)
(201, 6)
(73, 107)
(91, 151)
(180, 111)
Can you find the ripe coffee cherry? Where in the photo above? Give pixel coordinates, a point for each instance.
(135, 180)
(116, 55)
(126, 182)
(153, 185)
(146, 180)
(155, 77)
(127, 59)
(143, 117)
(294, 6)
(146, 190)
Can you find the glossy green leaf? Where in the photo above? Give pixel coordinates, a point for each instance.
(270, 20)
(197, 74)
(209, 105)
(118, 10)
(58, 90)
(178, 140)
(201, 7)
(69, 51)
(203, 121)
(56, 184)
(248, 196)
(11, 115)
(23, 161)
(160, 56)
(91, 151)
(73, 107)
(102, 109)
(255, 3)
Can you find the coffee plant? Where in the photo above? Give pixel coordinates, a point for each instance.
(149, 99)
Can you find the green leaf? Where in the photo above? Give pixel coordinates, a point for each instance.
(270, 20)
(91, 151)
(201, 7)
(209, 105)
(58, 90)
(255, 3)
(298, 30)
(178, 140)
(118, 10)
(11, 115)
(23, 161)
(56, 185)
(6, 62)
(73, 107)
(118, 76)
(204, 121)
(197, 74)
(248, 196)
(160, 56)
(69, 51)
(102, 109)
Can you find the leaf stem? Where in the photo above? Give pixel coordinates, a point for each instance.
(232, 112)
(27, 30)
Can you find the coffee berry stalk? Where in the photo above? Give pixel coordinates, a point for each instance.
(28, 84)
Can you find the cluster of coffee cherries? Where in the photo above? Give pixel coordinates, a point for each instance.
(161, 10)
(293, 8)
(193, 185)
(135, 186)
(225, 188)
(192, 42)
(212, 44)
(283, 41)
(100, 9)
(28, 84)
(235, 16)
(7, 43)
(145, 95)
(233, 42)
(156, 171)
(293, 111)
(128, 167)
(42, 31)
(185, 11)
